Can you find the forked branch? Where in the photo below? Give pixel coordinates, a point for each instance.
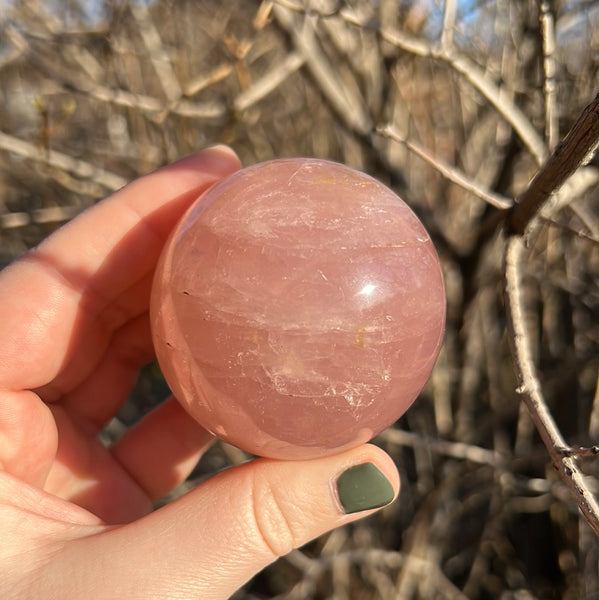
(572, 152)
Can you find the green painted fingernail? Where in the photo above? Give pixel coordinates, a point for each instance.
(363, 487)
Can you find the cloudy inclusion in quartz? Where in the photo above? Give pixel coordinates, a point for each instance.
(298, 308)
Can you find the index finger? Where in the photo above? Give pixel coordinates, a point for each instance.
(88, 278)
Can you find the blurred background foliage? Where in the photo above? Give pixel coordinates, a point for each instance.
(454, 104)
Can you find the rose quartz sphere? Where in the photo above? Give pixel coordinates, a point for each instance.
(298, 308)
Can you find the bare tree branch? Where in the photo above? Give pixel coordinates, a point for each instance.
(547, 22)
(552, 179)
(158, 55)
(458, 450)
(347, 102)
(148, 104)
(51, 214)
(449, 17)
(58, 160)
(530, 388)
(470, 71)
(575, 150)
(453, 174)
(203, 80)
(269, 82)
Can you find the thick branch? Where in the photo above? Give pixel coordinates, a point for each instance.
(572, 152)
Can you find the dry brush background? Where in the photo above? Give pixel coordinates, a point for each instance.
(454, 104)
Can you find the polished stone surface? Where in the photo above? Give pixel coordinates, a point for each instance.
(298, 308)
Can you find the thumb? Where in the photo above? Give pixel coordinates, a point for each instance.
(209, 542)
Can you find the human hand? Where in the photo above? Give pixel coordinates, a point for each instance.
(76, 517)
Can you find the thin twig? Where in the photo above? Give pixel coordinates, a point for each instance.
(449, 16)
(499, 100)
(580, 451)
(572, 189)
(269, 82)
(589, 220)
(458, 450)
(451, 173)
(571, 230)
(148, 104)
(547, 22)
(197, 84)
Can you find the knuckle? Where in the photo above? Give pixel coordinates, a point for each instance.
(271, 518)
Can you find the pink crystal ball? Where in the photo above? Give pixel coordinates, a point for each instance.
(298, 308)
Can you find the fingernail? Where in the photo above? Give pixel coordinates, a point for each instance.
(224, 149)
(363, 487)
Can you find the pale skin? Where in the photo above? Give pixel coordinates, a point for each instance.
(76, 518)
